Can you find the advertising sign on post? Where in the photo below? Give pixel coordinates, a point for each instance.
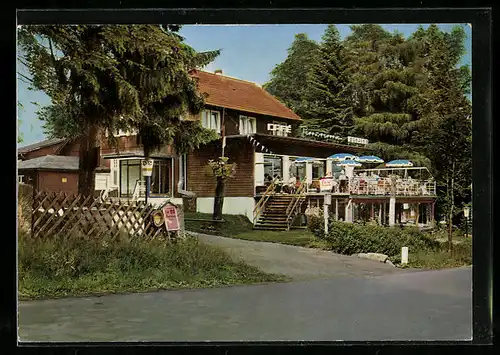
(147, 167)
(171, 218)
(326, 184)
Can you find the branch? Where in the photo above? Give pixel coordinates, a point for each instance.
(29, 81)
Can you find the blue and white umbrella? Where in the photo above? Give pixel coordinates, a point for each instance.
(399, 163)
(303, 159)
(369, 159)
(342, 157)
(349, 162)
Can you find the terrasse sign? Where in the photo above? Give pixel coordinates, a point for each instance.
(280, 128)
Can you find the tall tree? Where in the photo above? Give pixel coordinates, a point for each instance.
(288, 79)
(327, 96)
(108, 77)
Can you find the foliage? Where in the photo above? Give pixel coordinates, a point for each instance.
(352, 238)
(327, 96)
(288, 78)
(101, 78)
(71, 265)
(221, 169)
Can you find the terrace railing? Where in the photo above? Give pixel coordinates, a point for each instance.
(384, 186)
(259, 207)
(298, 198)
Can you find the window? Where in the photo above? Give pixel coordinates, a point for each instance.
(160, 177)
(297, 169)
(318, 169)
(130, 173)
(273, 166)
(211, 120)
(247, 125)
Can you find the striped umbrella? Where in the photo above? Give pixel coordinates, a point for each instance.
(349, 162)
(370, 159)
(341, 157)
(399, 163)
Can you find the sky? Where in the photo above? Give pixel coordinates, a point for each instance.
(248, 52)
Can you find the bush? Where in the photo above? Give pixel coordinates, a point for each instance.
(351, 238)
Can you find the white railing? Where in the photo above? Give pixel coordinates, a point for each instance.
(385, 186)
(139, 190)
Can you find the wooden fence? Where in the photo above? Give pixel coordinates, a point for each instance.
(62, 213)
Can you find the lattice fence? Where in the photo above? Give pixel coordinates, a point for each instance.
(62, 213)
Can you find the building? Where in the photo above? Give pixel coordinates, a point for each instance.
(263, 137)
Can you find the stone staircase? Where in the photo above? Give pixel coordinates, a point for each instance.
(274, 216)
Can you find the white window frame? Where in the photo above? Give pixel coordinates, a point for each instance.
(208, 120)
(247, 125)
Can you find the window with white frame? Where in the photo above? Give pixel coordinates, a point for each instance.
(247, 125)
(211, 120)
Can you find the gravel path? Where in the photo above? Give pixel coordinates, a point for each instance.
(300, 263)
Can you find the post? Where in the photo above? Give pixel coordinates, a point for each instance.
(404, 255)
(336, 209)
(392, 211)
(325, 216)
(148, 187)
(380, 215)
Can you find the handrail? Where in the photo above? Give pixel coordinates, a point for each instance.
(295, 201)
(259, 206)
(137, 189)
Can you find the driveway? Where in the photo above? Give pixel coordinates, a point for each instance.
(300, 263)
(428, 305)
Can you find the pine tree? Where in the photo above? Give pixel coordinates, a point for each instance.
(288, 79)
(109, 77)
(329, 109)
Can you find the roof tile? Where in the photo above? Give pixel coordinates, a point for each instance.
(224, 91)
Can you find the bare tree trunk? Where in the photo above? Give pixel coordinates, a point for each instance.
(89, 160)
(219, 199)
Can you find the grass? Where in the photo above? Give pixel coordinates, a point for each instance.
(74, 266)
(422, 254)
(239, 227)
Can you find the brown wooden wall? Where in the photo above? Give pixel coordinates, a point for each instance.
(51, 181)
(51, 150)
(241, 185)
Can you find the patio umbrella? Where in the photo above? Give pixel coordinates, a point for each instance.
(349, 162)
(370, 159)
(399, 163)
(341, 157)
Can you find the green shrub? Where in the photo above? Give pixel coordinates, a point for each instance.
(353, 238)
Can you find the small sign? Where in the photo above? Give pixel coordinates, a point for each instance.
(325, 184)
(328, 199)
(147, 167)
(357, 140)
(171, 218)
(64, 179)
(282, 128)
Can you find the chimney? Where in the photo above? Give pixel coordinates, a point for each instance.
(218, 71)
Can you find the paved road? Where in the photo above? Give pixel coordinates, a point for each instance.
(429, 305)
(300, 263)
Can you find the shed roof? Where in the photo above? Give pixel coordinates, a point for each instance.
(39, 145)
(50, 162)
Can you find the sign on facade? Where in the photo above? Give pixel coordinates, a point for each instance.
(147, 167)
(171, 218)
(357, 140)
(280, 128)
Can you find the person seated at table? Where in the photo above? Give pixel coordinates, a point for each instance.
(343, 181)
(278, 182)
(290, 186)
(267, 179)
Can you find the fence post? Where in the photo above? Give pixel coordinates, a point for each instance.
(404, 255)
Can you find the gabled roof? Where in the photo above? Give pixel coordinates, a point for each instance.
(50, 162)
(39, 145)
(228, 92)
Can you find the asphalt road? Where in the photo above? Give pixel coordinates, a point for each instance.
(427, 305)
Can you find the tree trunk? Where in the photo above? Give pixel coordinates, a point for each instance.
(452, 205)
(89, 160)
(219, 199)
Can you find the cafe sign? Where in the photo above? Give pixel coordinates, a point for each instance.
(171, 218)
(357, 140)
(147, 167)
(280, 128)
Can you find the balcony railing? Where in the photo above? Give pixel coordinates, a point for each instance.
(386, 186)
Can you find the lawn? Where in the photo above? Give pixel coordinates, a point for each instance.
(239, 227)
(74, 266)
